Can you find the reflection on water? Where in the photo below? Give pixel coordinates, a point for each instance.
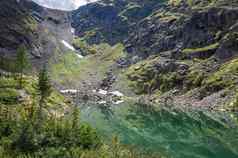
(174, 133)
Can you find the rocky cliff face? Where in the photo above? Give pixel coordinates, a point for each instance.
(171, 46)
(110, 21)
(17, 26)
(39, 29)
(152, 27)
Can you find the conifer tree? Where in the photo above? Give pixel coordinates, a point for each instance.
(44, 88)
(22, 63)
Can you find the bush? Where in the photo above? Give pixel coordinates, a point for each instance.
(8, 96)
(54, 137)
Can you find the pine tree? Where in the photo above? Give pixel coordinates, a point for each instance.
(44, 85)
(75, 117)
(22, 63)
(44, 88)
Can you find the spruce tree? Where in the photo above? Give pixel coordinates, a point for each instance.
(22, 63)
(44, 88)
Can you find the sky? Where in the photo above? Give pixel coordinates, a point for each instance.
(62, 4)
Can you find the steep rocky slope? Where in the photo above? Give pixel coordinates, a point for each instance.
(38, 28)
(184, 50)
(41, 31)
(110, 21)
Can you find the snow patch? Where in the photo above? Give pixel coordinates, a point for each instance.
(117, 93)
(66, 44)
(103, 92)
(69, 91)
(118, 102)
(79, 56)
(102, 102)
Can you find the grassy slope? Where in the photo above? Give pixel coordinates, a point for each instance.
(11, 96)
(71, 70)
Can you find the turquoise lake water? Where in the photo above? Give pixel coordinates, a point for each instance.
(173, 133)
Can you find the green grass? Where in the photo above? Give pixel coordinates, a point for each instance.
(70, 70)
(66, 68)
(202, 49)
(192, 3)
(10, 94)
(195, 78)
(101, 62)
(81, 44)
(225, 77)
(30, 24)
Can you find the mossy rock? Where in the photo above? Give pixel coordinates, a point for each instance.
(195, 78)
(225, 77)
(146, 78)
(84, 47)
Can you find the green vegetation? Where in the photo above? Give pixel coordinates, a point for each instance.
(8, 96)
(134, 11)
(19, 66)
(197, 73)
(30, 24)
(225, 77)
(44, 88)
(82, 45)
(130, 10)
(234, 103)
(70, 69)
(203, 49)
(36, 121)
(201, 53)
(22, 63)
(66, 69)
(165, 16)
(58, 135)
(194, 3)
(145, 78)
(20, 135)
(7, 64)
(195, 78)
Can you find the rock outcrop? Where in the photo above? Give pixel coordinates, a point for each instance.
(110, 21)
(197, 38)
(39, 29)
